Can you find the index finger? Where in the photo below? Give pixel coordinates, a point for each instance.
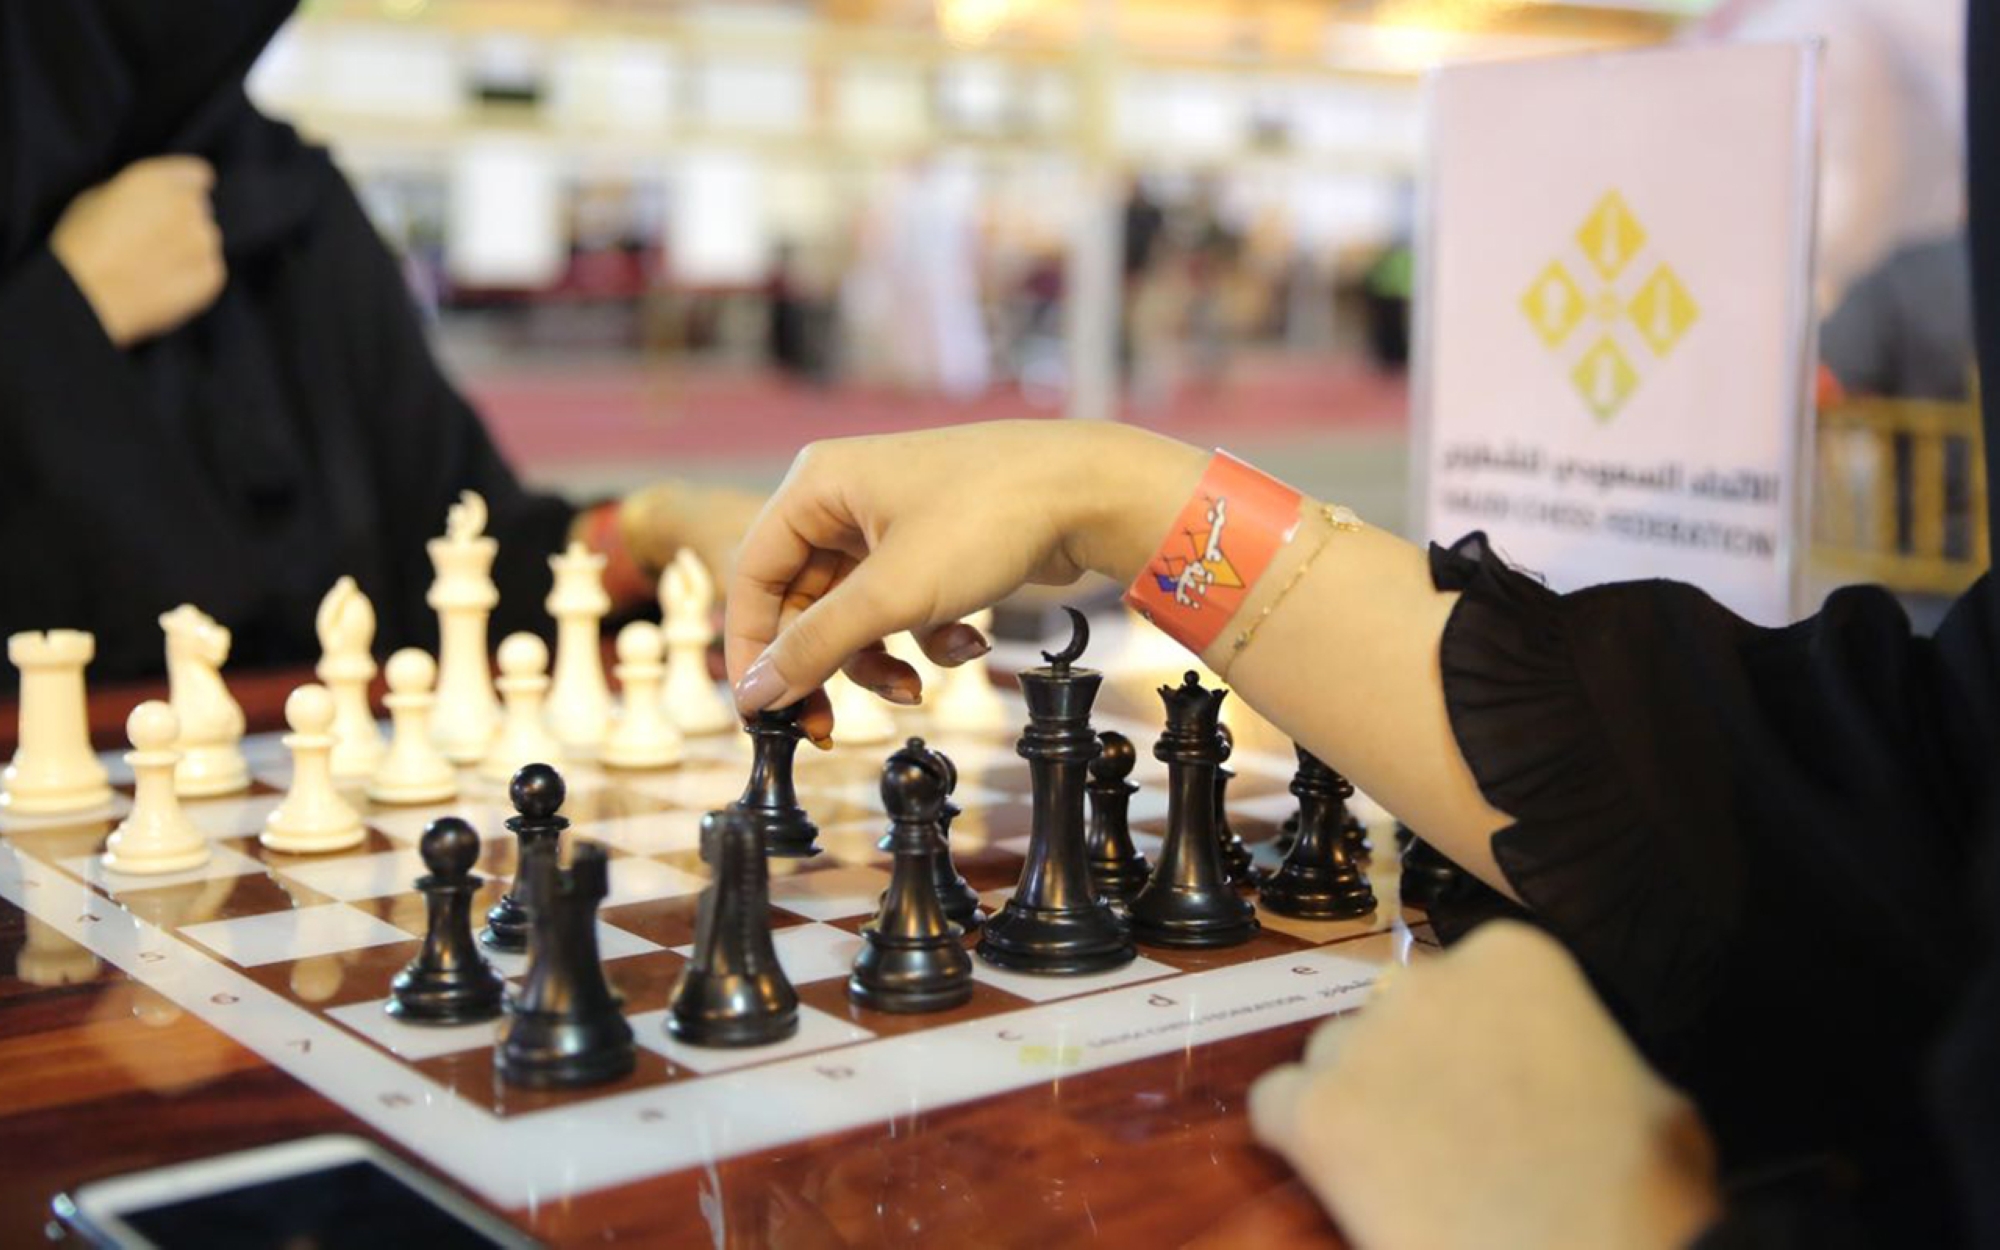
(193, 172)
(778, 546)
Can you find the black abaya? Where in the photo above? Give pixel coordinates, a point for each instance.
(296, 430)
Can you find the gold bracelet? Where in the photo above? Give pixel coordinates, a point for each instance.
(1339, 519)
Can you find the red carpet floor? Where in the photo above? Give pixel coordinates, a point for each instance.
(634, 411)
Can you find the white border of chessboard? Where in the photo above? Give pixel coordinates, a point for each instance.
(533, 1157)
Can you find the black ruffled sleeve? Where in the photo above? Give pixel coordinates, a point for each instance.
(1756, 841)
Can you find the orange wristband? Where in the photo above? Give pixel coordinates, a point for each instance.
(1224, 538)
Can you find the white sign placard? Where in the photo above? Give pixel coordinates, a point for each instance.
(1613, 343)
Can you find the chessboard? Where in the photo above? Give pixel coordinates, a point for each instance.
(291, 956)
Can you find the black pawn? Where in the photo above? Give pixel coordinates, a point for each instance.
(1236, 858)
(565, 1028)
(537, 792)
(449, 982)
(1116, 866)
(1188, 900)
(1319, 879)
(733, 991)
(1427, 875)
(769, 799)
(1055, 924)
(914, 958)
(960, 900)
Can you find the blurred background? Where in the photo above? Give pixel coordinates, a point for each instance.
(683, 238)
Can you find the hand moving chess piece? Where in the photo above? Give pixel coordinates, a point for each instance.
(464, 596)
(537, 793)
(1236, 857)
(313, 816)
(966, 699)
(733, 992)
(913, 959)
(346, 627)
(565, 1029)
(859, 718)
(579, 700)
(524, 683)
(1319, 879)
(449, 982)
(156, 837)
(769, 799)
(1116, 866)
(211, 722)
(54, 771)
(413, 770)
(687, 594)
(1188, 900)
(642, 736)
(955, 893)
(1056, 924)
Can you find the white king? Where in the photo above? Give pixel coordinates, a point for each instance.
(466, 714)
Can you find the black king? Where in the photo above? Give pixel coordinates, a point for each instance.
(1056, 924)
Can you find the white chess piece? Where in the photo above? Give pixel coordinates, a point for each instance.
(966, 698)
(579, 700)
(642, 736)
(346, 626)
(859, 718)
(211, 743)
(313, 816)
(466, 714)
(413, 770)
(687, 593)
(54, 771)
(524, 686)
(156, 836)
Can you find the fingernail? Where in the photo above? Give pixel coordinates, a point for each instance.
(824, 742)
(760, 687)
(896, 695)
(971, 649)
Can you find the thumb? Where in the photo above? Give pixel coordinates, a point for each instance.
(871, 602)
(193, 172)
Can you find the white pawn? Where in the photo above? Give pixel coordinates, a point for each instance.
(54, 770)
(524, 684)
(414, 770)
(211, 721)
(642, 736)
(157, 836)
(579, 701)
(346, 626)
(966, 698)
(313, 816)
(859, 718)
(687, 593)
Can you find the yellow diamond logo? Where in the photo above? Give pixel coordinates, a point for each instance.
(1610, 236)
(1554, 304)
(1605, 378)
(1662, 310)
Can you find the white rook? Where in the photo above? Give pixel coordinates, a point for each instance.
(54, 769)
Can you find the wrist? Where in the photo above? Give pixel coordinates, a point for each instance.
(1124, 489)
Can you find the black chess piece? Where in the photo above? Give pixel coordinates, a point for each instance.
(955, 893)
(1056, 923)
(1354, 831)
(733, 992)
(537, 792)
(1427, 875)
(769, 799)
(1188, 900)
(1236, 858)
(914, 958)
(449, 982)
(1319, 879)
(1116, 866)
(565, 1028)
